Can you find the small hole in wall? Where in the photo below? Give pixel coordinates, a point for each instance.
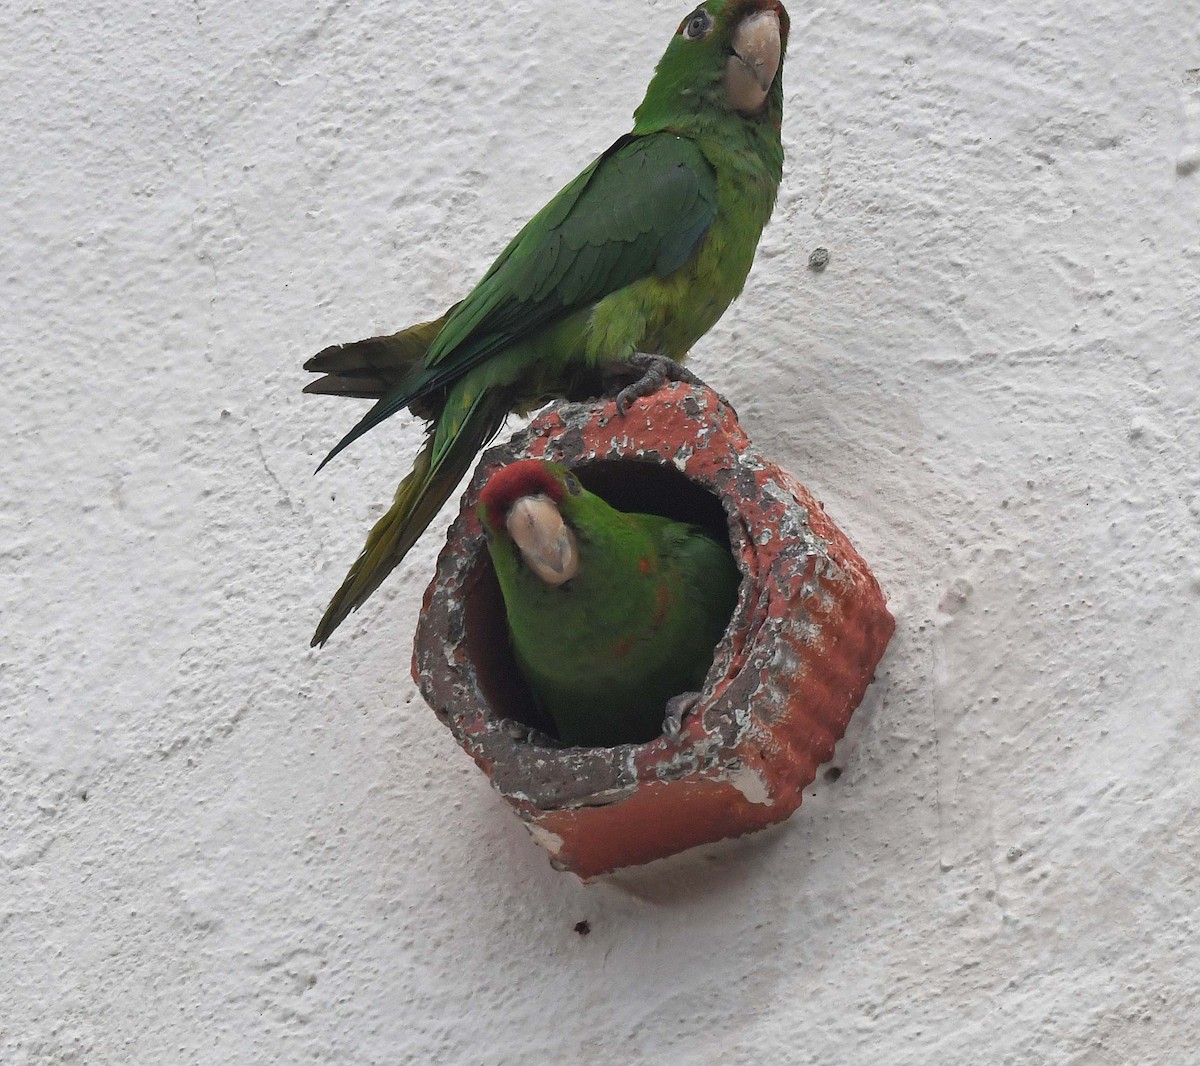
(583, 928)
(629, 485)
(833, 773)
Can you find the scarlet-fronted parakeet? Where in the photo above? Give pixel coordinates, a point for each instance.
(624, 269)
(611, 614)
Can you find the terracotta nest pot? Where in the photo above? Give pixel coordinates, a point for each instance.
(801, 648)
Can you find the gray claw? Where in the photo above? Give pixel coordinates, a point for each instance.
(542, 740)
(528, 734)
(678, 708)
(656, 371)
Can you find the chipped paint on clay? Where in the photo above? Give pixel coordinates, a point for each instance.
(552, 842)
(809, 627)
(750, 785)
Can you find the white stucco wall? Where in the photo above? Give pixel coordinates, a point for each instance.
(219, 847)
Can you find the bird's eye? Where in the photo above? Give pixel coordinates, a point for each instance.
(573, 486)
(698, 26)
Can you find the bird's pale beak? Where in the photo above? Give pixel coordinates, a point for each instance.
(749, 72)
(545, 540)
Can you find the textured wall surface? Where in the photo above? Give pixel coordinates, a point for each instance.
(219, 847)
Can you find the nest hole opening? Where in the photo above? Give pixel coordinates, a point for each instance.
(633, 485)
(640, 485)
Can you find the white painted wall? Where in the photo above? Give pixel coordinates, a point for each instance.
(217, 847)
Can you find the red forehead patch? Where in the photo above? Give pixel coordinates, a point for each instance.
(508, 484)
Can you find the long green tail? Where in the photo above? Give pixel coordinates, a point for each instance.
(440, 465)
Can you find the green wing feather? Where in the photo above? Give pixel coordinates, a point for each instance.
(640, 209)
(711, 576)
(437, 470)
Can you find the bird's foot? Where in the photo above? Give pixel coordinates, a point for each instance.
(529, 735)
(542, 740)
(655, 371)
(678, 708)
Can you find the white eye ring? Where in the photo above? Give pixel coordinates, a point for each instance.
(700, 25)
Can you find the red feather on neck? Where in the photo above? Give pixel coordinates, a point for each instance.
(529, 477)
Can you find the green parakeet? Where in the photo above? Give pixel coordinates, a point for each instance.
(611, 615)
(622, 271)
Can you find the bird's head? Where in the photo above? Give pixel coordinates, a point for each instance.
(727, 56)
(521, 508)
